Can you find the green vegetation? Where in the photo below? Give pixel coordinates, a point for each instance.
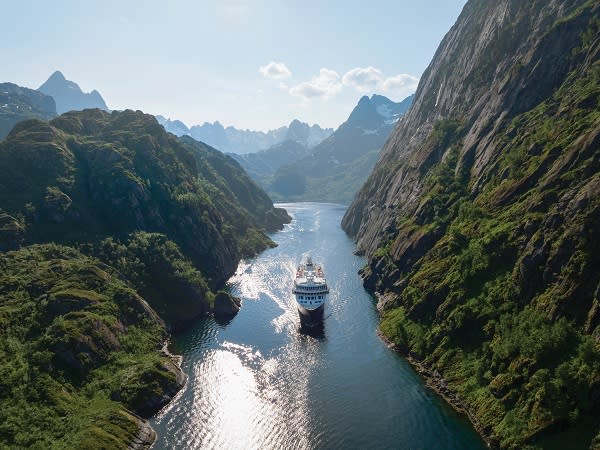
(78, 349)
(502, 296)
(160, 273)
(119, 232)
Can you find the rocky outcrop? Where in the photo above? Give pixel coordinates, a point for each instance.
(12, 233)
(145, 437)
(478, 220)
(489, 68)
(226, 305)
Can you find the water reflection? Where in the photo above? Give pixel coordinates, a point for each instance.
(315, 331)
(262, 381)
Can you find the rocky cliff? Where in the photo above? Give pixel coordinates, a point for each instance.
(480, 220)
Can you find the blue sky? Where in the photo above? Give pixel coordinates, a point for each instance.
(253, 64)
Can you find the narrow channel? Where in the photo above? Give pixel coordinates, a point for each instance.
(258, 382)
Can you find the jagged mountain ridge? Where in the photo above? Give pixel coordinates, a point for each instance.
(19, 103)
(479, 221)
(336, 168)
(233, 140)
(69, 96)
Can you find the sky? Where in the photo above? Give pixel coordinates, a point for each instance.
(253, 64)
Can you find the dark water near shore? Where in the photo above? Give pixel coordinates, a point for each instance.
(259, 383)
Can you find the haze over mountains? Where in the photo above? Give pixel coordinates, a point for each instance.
(335, 169)
(234, 140)
(69, 96)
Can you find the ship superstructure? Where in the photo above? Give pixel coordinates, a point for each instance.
(310, 289)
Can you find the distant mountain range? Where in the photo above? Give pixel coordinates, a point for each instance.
(233, 140)
(334, 169)
(262, 165)
(69, 96)
(19, 103)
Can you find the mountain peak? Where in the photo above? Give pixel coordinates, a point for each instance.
(364, 100)
(380, 99)
(57, 76)
(364, 113)
(69, 96)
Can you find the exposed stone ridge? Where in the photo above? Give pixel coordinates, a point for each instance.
(498, 60)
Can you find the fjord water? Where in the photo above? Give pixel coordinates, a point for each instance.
(259, 382)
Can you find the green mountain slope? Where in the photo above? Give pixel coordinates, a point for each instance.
(79, 352)
(480, 222)
(112, 232)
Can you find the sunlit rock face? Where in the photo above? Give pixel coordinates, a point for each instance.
(479, 218)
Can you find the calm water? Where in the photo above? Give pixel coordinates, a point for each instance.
(259, 383)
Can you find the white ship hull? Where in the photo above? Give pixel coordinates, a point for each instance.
(310, 289)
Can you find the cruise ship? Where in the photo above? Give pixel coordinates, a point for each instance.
(310, 289)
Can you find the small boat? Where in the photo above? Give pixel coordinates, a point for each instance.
(310, 289)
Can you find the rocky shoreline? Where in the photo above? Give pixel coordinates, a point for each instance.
(436, 382)
(146, 434)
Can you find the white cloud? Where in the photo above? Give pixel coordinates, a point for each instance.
(275, 71)
(363, 79)
(324, 85)
(371, 80)
(401, 83)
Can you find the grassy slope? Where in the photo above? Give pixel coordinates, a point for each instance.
(73, 338)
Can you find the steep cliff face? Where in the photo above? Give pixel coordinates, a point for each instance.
(480, 219)
(496, 62)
